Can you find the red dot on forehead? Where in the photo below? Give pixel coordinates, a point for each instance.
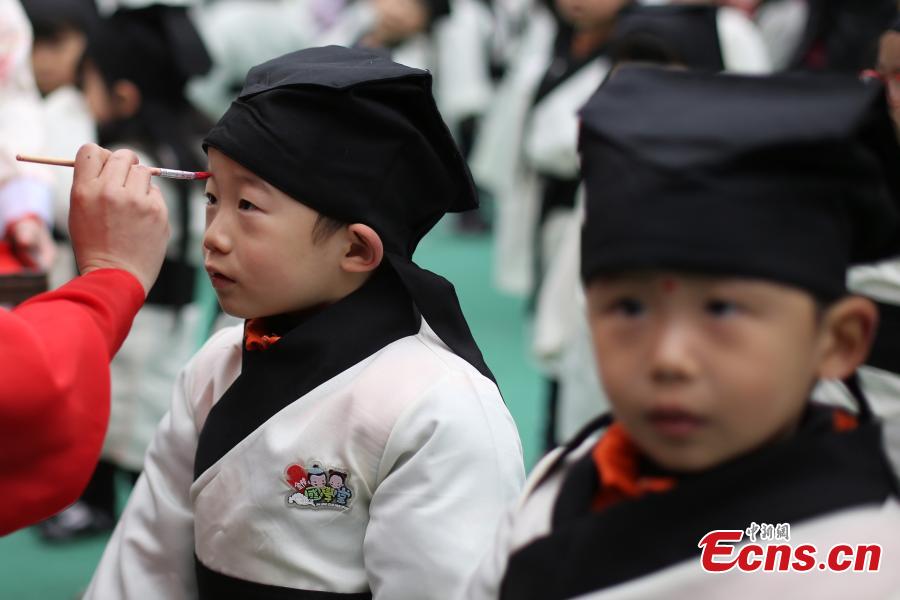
(669, 285)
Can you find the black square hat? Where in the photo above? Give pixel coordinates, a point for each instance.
(354, 136)
(358, 138)
(790, 178)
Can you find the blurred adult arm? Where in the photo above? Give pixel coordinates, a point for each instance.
(56, 347)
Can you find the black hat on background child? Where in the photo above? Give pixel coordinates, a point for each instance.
(756, 183)
(683, 34)
(156, 47)
(359, 139)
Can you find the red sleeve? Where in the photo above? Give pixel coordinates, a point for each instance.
(54, 390)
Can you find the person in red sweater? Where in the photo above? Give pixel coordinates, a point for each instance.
(55, 348)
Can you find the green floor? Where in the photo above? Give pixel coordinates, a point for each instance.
(32, 570)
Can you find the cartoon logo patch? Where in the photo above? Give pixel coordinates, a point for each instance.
(316, 487)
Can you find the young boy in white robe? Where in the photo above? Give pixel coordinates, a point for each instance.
(349, 441)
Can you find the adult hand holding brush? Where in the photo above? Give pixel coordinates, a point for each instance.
(55, 347)
(117, 217)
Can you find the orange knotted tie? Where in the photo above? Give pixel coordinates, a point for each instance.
(617, 460)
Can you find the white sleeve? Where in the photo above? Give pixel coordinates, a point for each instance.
(550, 140)
(20, 196)
(22, 127)
(462, 83)
(451, 466)
(485, 583)
(151, 552)
(743, 48)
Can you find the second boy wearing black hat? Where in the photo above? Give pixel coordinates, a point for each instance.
(714, 255)
(326, 173)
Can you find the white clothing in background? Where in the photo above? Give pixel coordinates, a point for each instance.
(240, 34)
(497, 163)
(24, 187)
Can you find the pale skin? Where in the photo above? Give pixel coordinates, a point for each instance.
(396, 20)
(117, 217)
(260, 253)
(700, 370)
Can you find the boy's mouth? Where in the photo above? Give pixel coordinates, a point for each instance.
(218, 279)
(675, 422)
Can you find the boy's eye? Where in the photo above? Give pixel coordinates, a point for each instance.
(210, 199)
(721, 308)
(629, 307)
(245, 205)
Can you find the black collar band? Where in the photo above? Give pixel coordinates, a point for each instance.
(319, 348)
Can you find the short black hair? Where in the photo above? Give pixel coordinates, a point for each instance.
(325, 227)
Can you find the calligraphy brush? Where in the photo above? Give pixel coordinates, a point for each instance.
(168, 173)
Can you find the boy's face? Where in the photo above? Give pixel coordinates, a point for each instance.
(259, 248)
(55, 59)
(589, 14)
(889, 67)
(702, 369)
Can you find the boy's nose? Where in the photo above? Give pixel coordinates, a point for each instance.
(216, 239)
(672, 358)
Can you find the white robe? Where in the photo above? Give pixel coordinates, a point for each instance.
(530, 519)
(433, 456)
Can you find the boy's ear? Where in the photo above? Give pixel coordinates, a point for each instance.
(126, 99)
(849, 329)
(365, 250)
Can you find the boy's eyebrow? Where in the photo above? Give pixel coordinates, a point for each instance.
(251, 180)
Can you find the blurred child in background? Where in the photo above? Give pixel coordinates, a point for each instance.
(60, 38)
(133, 76)
(26, 190)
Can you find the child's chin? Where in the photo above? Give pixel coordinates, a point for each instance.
(237, 311)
